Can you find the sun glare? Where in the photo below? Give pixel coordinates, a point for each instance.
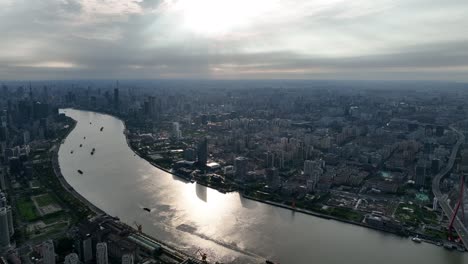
(212, 17)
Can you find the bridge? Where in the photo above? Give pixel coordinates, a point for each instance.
(446, 208)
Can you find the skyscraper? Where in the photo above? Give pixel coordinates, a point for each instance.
(11, 228)
(202, 152)
(48, 252)
(4, 230)
(272, 176)
(72, 258)
(176, 133)
(3, 200)
(116, 99)
(127, 258)
(152, 107)
(240, 168)
(87, 249)
(313, 169)
(309, 166)
(420, 177)
(101, 253)
(2, 179)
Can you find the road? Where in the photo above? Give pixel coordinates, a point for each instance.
(446, 208)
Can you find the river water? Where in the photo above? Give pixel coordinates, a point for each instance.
(227, 227)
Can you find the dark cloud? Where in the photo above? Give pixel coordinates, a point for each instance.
(76, 39)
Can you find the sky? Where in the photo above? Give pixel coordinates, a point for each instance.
(234, 39)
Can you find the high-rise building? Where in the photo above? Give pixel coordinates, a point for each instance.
(45, 93)
(313, 169)
(190, 154)
(4, 135)
(11, 228)
(309, 166)
(127, 258)
(72, 258)
(420, 177)
(40, 110)
(4, 229)
(269, 159)
(116, 99)
(240, 168)
(48, 252)
(3, 200)
(2, 179)
(273, 178)
(153, 109)
(202, 152)
(26, 137)
(176, 133)
(87, 249)
(101, 253)
(440, 131)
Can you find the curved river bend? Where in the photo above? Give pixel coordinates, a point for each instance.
(227, 227)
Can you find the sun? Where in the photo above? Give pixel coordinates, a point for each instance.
(214, 17)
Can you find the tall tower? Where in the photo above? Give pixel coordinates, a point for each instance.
(116, 99)
(101, 253)
(48, 252)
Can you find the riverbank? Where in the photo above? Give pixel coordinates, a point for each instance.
(281, 205)
(324, 216)
(265, 200)
(63, 182)
(170, 250)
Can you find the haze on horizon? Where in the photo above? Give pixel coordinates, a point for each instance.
(234, 39)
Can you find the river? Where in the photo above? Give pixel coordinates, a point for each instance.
(227, 227)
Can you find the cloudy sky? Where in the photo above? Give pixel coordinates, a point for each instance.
(234, 39)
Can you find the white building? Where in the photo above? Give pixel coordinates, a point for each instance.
(127, 259)
(72, 258)
(48, 252)
(176, 133)
(101, 253)
(313, 169)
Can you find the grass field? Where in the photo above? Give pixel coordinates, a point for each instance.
(44, 200)
(412, 214)
(27, 209)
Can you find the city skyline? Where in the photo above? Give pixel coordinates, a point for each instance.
(347, 40)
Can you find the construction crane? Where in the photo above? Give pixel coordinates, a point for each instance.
(203, 255)
(139, 227)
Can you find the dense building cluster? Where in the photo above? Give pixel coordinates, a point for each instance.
(42, 218)
(365, 153)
